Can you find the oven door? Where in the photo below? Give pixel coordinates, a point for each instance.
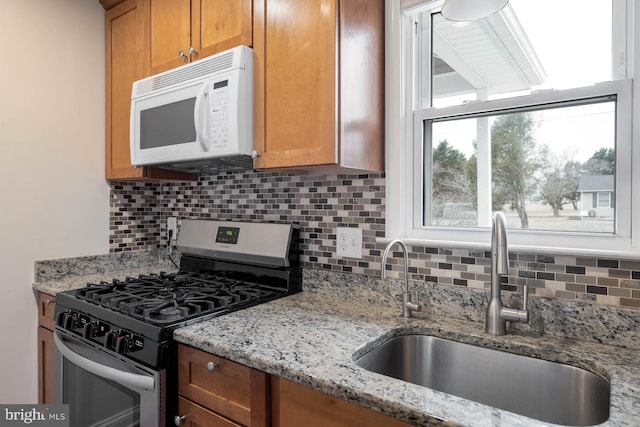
(103, 389)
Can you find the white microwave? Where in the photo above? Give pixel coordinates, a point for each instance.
(196, 116)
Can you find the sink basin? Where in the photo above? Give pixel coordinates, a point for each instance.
(547, 391)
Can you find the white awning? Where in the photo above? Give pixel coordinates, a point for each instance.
(493, 53)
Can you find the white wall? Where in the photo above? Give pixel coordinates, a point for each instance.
(53, 196)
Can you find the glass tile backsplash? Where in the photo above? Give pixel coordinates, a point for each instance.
(138, 215)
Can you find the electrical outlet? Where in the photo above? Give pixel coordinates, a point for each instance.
(349, 242)
(172, 227)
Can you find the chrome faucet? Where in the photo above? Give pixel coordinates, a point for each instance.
(497, 314)
(407, 306)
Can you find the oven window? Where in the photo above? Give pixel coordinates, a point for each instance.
(169, 124)
(96, 401)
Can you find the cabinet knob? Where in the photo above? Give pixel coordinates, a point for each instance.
(182, 55)
(255, 154)
(211, 366)
(192, 51)
(177, 420)
(48, 302)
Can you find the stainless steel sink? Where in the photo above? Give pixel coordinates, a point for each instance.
(547, 391)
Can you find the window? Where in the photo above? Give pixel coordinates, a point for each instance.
(603, 200)
(527, 111)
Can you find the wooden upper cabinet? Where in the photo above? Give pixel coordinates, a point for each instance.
(218, 25)
(180, 31)
(319, 91)
(124, 65)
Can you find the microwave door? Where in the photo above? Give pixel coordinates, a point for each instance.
(164, 125)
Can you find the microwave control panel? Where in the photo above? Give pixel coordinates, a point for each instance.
(219, 102)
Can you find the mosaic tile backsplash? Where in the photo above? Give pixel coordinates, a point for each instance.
(320, 204)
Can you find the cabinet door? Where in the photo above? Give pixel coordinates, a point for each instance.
(167, 32)
(294, 405)
(124, 66)
(46, 388)
(218, 25)
(296, 91)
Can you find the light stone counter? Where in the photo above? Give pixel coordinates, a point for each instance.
(313, 338)
(57, 275)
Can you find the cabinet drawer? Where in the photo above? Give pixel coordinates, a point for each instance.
(46, 310)
(197, 416)
(230, 389)
(295, 405)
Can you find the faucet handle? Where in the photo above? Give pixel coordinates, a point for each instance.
(409, 306)
(525, 297)
(414, 304)
(416, 297)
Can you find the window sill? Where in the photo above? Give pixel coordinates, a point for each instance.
(599, 252)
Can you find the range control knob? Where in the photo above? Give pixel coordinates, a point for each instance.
(123, 344)
(70, 321)
(60, 318)
(110, 339)
(89, 330)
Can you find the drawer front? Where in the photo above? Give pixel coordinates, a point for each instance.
(197, 416)
(46, 310)
(228, 388)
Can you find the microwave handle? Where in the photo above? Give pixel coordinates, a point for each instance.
(199, 108)
(132, 381)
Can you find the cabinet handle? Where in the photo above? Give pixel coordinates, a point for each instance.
(255, 154)
(48, 302)
(177, 420)
(182, 55)
(192, 51)
(211, 366)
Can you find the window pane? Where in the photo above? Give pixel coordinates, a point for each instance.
(528, 46)
(549, 169)
(603, 200)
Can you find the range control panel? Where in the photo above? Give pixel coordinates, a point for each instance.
(99, 332)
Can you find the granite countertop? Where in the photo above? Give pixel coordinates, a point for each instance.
(313, 338)
(52, 276)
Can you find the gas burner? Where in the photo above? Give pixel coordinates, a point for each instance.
(167, 298)
(166, 314)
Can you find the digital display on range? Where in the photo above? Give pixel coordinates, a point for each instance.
(228, 235)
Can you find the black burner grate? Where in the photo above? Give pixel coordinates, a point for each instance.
(164, 298)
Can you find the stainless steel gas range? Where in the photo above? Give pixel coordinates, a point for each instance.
(116, 361)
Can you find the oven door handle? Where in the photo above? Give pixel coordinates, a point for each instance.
(127, 379)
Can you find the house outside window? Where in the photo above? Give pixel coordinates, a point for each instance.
(503, 114)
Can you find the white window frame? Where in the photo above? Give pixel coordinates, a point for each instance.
(403, 156)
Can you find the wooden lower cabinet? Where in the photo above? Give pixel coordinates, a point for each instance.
(46, 387)
(294, 405)
(236, 395)
(209, 385)
(198, 416)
